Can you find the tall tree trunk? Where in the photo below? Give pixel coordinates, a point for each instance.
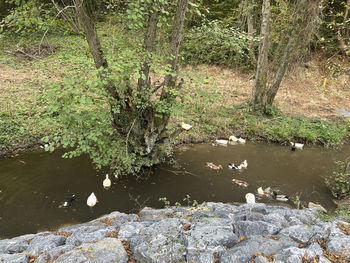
(154, 125)
(262, 66)
(176, 38)
(100, 62)
(272, 90)
(148, 46)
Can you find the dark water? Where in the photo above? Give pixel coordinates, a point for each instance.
(34, 184)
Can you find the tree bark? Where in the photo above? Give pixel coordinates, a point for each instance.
(91, 35)
(262, 65)
(176, 38)
(148, 46)
(101, 63)
(272, 90)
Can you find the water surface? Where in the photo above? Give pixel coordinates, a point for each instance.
(33, 184)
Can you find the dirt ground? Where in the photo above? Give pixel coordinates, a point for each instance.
(307, 90)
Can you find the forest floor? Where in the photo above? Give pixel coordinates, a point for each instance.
(309, 89)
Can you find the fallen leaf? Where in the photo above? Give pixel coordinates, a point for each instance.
(241, 239)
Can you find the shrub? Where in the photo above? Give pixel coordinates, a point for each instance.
(339, 181)
(213, 43)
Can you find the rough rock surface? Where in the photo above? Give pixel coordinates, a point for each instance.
(211, 232)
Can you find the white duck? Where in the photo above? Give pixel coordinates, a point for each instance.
(241, 140)
(295, 145)
(233, 138)
(185, 126)
(260, 191)
(221, 142)
(244, 164)
(250, 198)
(92, 200)
(107, 182)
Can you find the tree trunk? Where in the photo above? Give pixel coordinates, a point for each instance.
(251, 31)
(175, 46)
(144, 129)
(262, 66)
(101, 63)
(148, 47)
(272, 90)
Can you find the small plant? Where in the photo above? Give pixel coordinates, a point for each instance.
(297, 201)
(177, 204)
(339, 181)
(165, 201)
(193, 203)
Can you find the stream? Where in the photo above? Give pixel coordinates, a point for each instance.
(34, 184)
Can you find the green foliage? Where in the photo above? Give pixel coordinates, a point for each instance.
(28, 17)
(339, 182)
(165, 201)
(187, 199)
(137, 12)
(225, 11)
(83, 106)
(214, 43)
(333, 26)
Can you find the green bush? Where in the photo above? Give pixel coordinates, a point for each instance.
(339, 182)
(28, 17)
(213, 43)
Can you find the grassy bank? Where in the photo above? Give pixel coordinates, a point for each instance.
(26, 76)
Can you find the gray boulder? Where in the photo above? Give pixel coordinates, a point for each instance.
(109, 250)
(86, 234)
(252, 228)
(15, 258)
(45, 243)
(246, 249)
(162, 242)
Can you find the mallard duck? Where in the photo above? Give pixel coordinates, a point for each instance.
(235, 167)
(233, 138)
(240, 183)
(185, 126)
(244, 164)
(107, 182)
(282, 198)
(92, 200)
(214, 167)
(295, 145)
(250, 198)
(68, 201)
(241, 140)
(221, 141)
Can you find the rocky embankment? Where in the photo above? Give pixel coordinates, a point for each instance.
(212, 232)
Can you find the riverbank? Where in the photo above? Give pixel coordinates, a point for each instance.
(310, 102)
(211, 232)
